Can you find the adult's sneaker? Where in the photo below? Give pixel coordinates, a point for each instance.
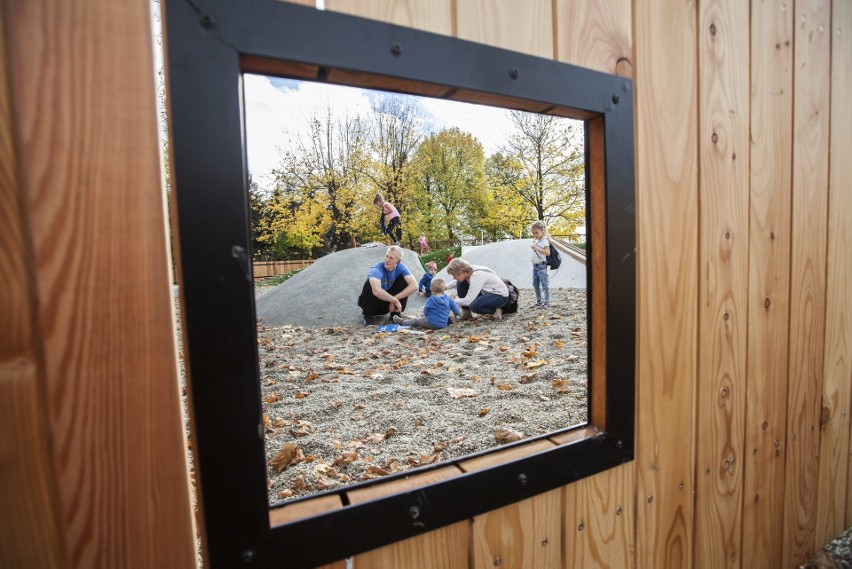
(369, 320)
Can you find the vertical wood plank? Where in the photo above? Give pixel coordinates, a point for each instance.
(525, 534)
(769, 281)
(834, 437)
(723, 32)
(667, 216)
(812, 34)
(87, 128)
(445, 548)
(431, 15)
(519, 25)
(30, 528)
(596, 34)
(602, 505)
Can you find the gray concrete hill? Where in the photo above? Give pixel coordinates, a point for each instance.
(326, 293)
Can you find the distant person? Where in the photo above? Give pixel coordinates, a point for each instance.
(424, 245)
(480, 290)
(389, 221)
(449, 259)
(436, 313)
(423, 287)
(387, 288)
(540, 250)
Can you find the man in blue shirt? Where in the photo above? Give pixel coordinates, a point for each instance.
(387, 288)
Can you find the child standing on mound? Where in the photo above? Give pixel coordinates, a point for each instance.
(425, 286)
(540, 251)
(436, 313)
(389, 222)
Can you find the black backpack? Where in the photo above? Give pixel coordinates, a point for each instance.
(554, 259)
(512, 305)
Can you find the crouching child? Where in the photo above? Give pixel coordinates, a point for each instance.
(436, 313)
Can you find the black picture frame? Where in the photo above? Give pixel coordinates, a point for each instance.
(210, 44)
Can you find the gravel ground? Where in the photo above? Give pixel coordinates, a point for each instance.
(344, 403)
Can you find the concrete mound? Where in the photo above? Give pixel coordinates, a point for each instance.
(511, 260)
(326, 293)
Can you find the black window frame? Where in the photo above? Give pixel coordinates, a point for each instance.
(210, 44)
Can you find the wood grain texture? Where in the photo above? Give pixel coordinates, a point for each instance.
(434, 16)
(604, 506)
(811, 48)
(519, 25)
(445, 548)
(836, 392)
(769, 282)
(525, 534)
(667, 217)
(30, 529)
(87, 130)
(507, 455)
(596, 34)
(723, 32)
(596, 321)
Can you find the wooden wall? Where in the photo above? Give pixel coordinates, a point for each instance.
(744, 355)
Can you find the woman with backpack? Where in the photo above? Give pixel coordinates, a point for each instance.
(540, 251)
(480, 290)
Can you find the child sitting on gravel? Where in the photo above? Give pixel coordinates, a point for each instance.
(425, 286)
(436, 313)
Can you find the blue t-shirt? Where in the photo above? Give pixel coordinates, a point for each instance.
(437, 310)
(426, 284)
(378, 271)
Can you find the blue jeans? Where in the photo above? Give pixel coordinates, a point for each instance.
(541, 278)
(485, 303)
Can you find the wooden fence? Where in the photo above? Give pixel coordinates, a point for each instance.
(265, 269)
(744, 320)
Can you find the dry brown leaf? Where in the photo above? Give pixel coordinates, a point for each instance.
(507, 435)
(390, 432)
(300, 395)
(504, 387)
(503, 348)
(357, 416)
(289, 454)
(559, 343)
(536, 363)
(311, 377)
(531, 351)
(526, 378)
(483, 412)
(303, 428)
(271, 398)
(283, 494)
(337, 403)
(561, 385)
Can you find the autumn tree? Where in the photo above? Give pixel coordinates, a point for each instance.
(449, 168)
(321, 178)
(543, 165)
(396, 130)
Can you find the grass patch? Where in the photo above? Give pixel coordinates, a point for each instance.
(440, 256)
(275, 281)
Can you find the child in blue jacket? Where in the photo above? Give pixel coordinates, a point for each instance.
(425, 286)
(436, 313)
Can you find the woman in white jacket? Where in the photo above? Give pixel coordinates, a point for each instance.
(480, 290)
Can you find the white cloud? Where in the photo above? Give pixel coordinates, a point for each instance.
(274, 111)
(491, 125)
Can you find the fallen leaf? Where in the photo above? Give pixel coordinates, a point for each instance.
(311, 377)
(561, 385)
(504, 387)
(526, 378)
(289, 454)
(537, 363)
(271, 398)
(286, 494)
(483, 412)
(530, 352)
(300, 395)
(337, 403)
(390, 432)
(559, 343)
(507, 435)
(459, 392)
